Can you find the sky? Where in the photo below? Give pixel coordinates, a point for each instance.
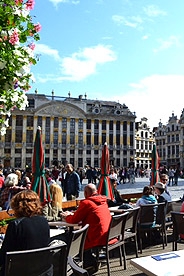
(129, 51)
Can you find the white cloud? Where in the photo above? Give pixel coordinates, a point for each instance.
(56, 2)
(153, 11)
(79, 65)
(83, 63)
(165, 44)
(133, 22)
(155, 97)
(46, 50)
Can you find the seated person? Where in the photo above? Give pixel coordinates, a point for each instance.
(147, 197)
(93, 210)
(51, 210)
(118, 200)
(30, 230)
(160, 192)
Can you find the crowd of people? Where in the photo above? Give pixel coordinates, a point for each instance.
(66, 181)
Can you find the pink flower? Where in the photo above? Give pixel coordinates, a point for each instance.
(31, 46)
(30, 4)
(37, 27)
(14, 38)
(18, 2)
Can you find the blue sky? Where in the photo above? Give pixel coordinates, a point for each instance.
(131, 51)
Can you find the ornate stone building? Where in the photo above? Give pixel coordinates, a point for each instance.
(73, 130)
(169, 140)
(144, 140)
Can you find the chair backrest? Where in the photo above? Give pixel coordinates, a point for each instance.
(76, 242)
(152, 213)
(117, 226)
(77, 270)
(132, 219)
(178, 224)
(35, 261)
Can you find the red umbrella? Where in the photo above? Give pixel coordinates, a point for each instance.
(39, 182)
(104, 186)
(154, 166)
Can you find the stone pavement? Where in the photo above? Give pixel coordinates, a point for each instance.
(175, 191)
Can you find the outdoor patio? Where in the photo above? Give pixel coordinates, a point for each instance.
(117, 270)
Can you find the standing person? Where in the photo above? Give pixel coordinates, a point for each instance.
(72, 183)
(30, 230)
(176, 176)
(171, 176)
(93, 210)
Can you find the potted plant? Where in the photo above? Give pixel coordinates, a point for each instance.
(3, 226)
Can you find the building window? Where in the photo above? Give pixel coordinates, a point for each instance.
(80, 152)
(103, 138)
(47, 151)
(47, 122)
(125, 126)
(63, 151)
(8, 136)
(29, 136)
(131, 140)
(103, 124)
(111, 125)
(80, 162)
(72, 138)
(7, 151)
(72, 124)
(19, 120)
(168, 139)
(55, 137)
(80, 125)
(88, 124)
(173, 150)
(80, 139)
(172, 138)
(96, 139)
(47, 136)
(124, 139)
(111, 139)
(29, 121)
(18, 162)
(63, 138)
(56, 122)
(131, 126)
(29, 151)
(117, 139)
(18, 151)
(96, 162)
(88, 138)
(64, 123)
(18, 136)
(177, 137)
(96, 125)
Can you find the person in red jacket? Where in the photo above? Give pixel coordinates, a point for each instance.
(93, 210)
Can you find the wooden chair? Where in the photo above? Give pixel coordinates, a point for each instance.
(115, 239)
(37, 262)
(152, 217)
(178, 228)
(131, 227)
(77, 270)
(75, 248)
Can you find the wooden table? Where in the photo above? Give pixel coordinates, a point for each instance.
(171, 264)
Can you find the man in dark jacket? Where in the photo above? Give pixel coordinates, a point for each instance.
(72, 183)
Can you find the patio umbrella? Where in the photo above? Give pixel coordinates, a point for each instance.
(154, 166)
(39, 182)
(104, 186)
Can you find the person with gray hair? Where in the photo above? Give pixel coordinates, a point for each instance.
(11, 188)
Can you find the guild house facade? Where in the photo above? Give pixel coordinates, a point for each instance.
(74, 130)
